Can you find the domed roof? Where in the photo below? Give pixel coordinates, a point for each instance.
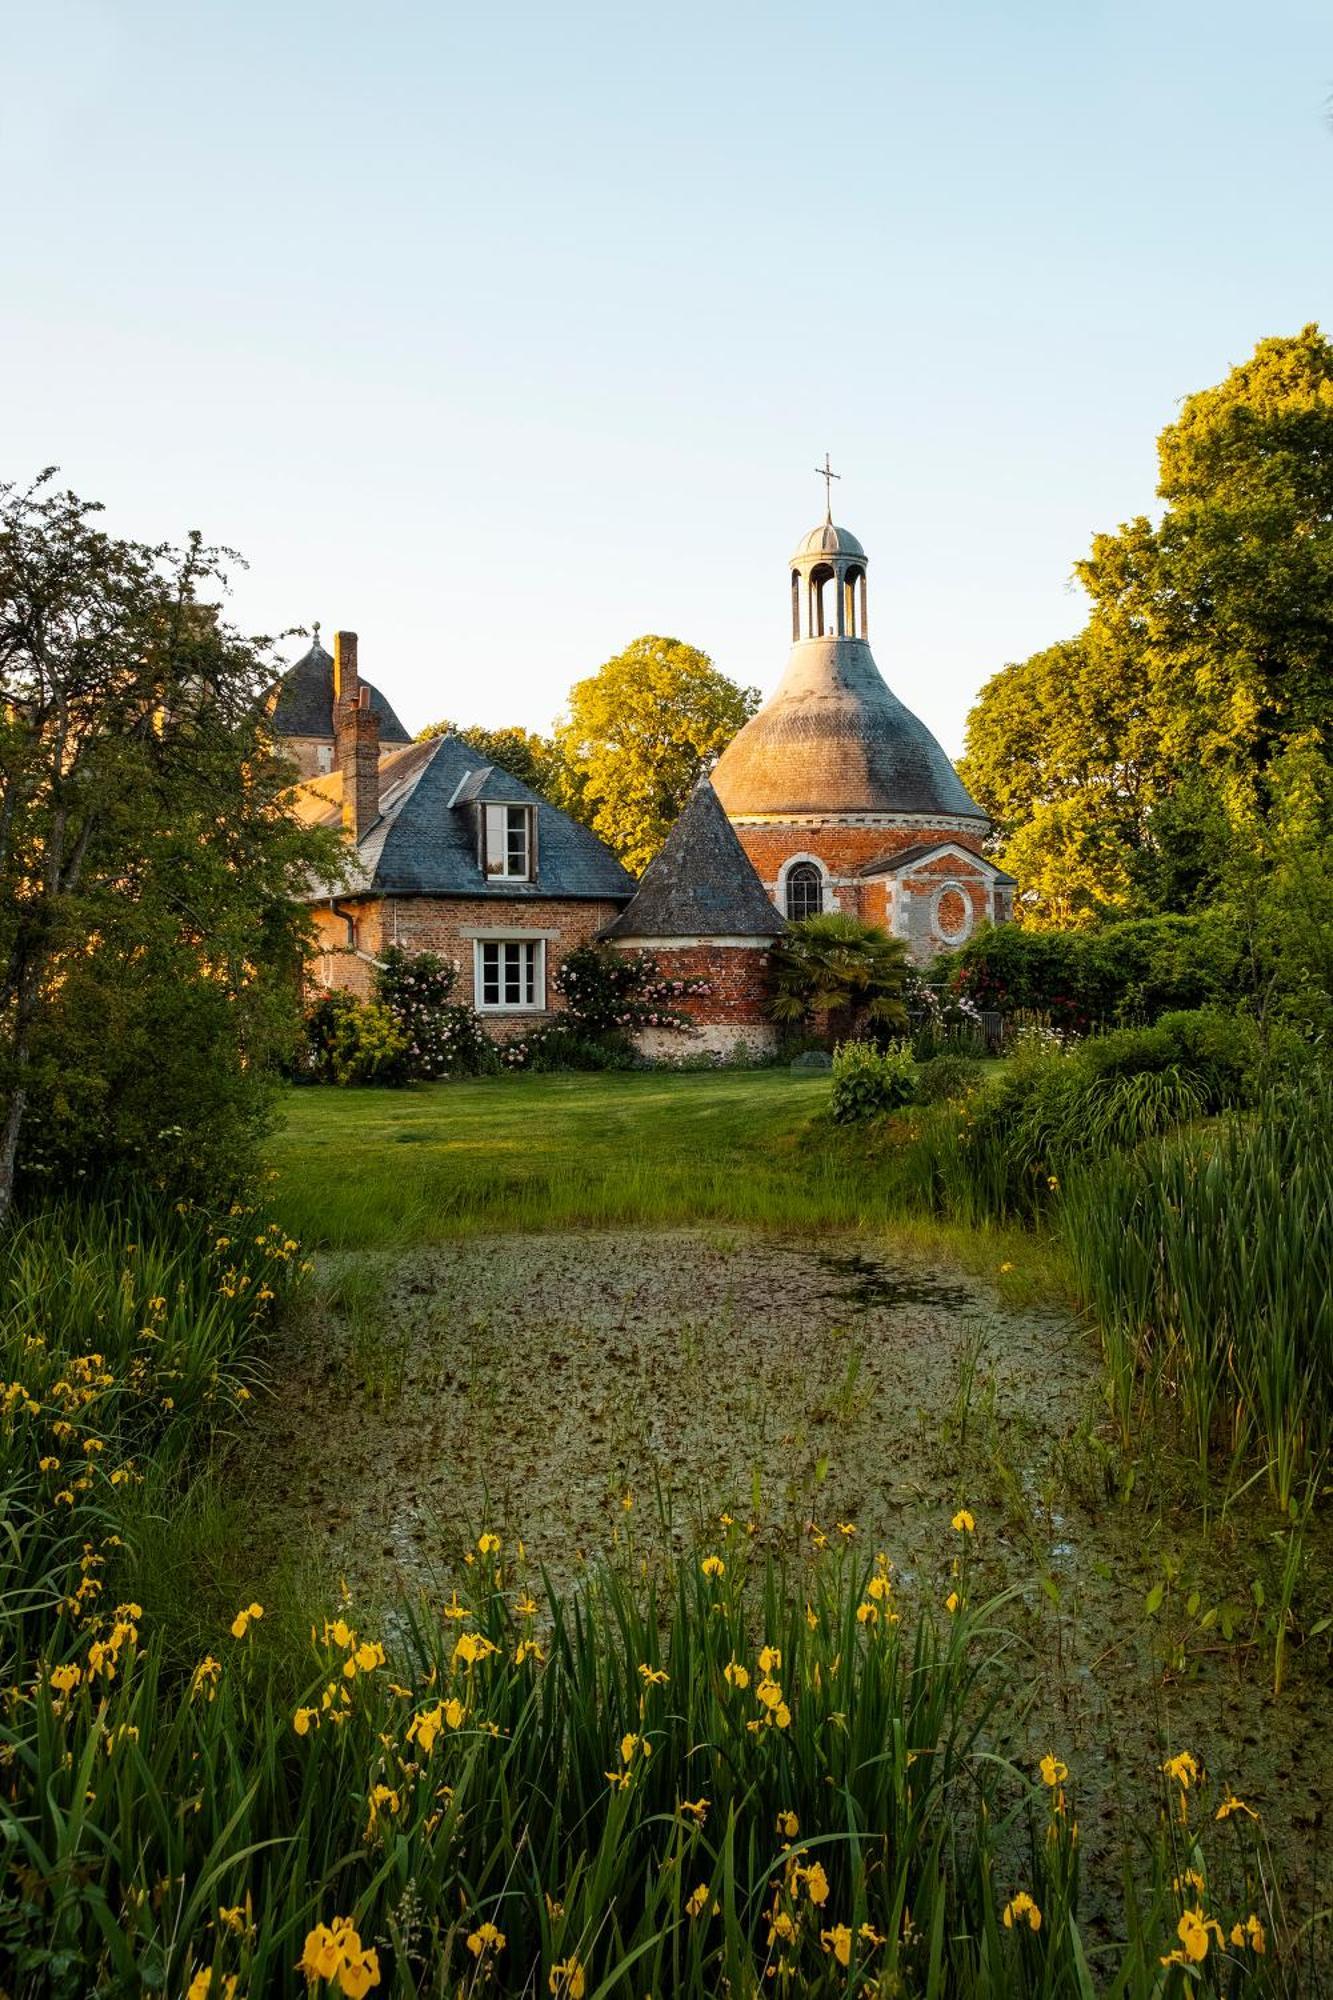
(834, 739)
(829, 540)
(302, 702)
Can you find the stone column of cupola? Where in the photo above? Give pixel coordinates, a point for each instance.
(821, 569)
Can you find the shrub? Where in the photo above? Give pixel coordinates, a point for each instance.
(868, 1081)
(461, 1045)
(415, 987)
(610, 992)
(943, 1078)
(561, 1045)
(1082, 979)
(409, 1033)
(354, 1041)
(841, 973)
(944, 1020)
(155, 1076)
(1055, 1107)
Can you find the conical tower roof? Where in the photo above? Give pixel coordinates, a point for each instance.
(302, 702)
(701, 884)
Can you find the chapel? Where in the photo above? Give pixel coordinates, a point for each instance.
(840, 796)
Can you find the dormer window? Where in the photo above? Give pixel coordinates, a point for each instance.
(508, 842)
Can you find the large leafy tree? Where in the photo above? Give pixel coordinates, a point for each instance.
(1121, 767)
(639, 733)
(149, 927)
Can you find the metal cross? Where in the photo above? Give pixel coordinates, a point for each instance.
(828, 475)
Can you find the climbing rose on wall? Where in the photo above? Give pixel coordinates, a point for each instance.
(442, 1039)
(608, 991)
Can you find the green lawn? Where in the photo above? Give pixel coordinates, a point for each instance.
(361, 1168)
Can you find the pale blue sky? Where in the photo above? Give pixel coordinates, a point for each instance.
(506, 333)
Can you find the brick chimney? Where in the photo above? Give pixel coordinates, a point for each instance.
(356, 737)
(346, 679)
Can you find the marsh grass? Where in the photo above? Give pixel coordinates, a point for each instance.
(361, 1170)
(1206, 1259)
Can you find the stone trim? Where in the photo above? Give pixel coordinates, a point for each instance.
(694, 943)
(891, 866)
(952, 939)
(494, 932)
(948, 821)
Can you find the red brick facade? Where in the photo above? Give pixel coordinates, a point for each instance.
(450, 926)
(844, 849)
(737, 975)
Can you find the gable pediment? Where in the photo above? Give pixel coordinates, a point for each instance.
(963, 860)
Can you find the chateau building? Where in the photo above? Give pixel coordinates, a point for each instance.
(841, 797)
(833, 797)
(452, 855)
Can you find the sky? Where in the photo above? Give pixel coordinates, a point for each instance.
(504, 334)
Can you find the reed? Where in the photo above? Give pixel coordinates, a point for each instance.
(1205, 1258)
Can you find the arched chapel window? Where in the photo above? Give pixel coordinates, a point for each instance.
(805, 891)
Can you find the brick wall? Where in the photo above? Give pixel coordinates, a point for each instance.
(738, 977)
(844, 851)
(734, 1011)
(447, 925)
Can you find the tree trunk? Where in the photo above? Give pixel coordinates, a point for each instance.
(18, 1096)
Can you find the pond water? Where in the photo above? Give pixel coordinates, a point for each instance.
(534, 1383)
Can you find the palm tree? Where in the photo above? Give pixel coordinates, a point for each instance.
(841, 972)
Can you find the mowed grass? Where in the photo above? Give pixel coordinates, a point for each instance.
(370, 1168)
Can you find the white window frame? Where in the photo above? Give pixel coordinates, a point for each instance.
(827, 900)
(504, 873)
(480, 946)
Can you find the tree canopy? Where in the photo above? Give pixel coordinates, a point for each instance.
(639, 733)
(1121, 766)
(149, 877)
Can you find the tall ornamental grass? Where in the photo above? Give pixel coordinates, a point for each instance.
(1206, 1258)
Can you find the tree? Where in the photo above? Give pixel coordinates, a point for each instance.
(1121, 766)
(1057, 757)
(522, 752)
(841, 972)
(638, 735)
(149, 928)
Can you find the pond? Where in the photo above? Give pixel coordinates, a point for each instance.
(620, 1390)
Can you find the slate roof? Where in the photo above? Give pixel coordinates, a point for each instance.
(701, 884)
(303, 701)
(907, 857)
(424, 842)
(833, 739)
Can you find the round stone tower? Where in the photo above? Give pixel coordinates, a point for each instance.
(841, 797)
